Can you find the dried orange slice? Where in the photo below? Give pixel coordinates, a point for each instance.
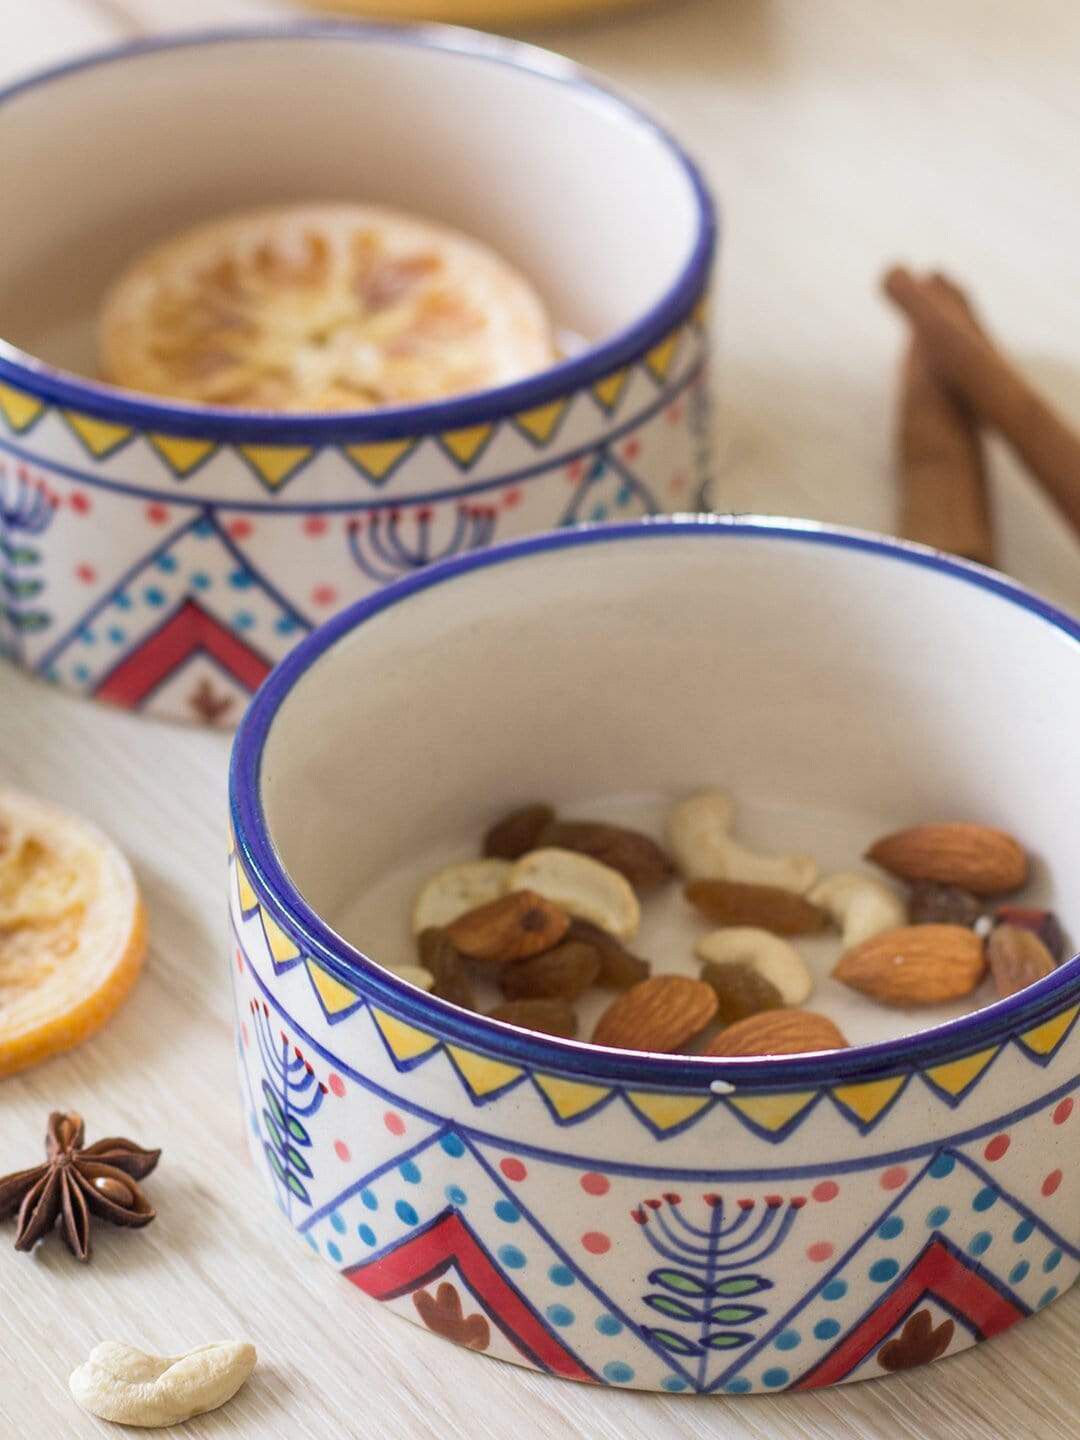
(321, 307)
(72, 930)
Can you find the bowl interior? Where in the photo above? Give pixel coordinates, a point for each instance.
(104, 159)
(832, 687)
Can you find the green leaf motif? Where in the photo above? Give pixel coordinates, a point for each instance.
(674, 1308)
(741, 1285)
(274, 1103)
(675, 1343)
(297, 1161)
(726, 1340)
(297, 1131)
(678, 1281)
(735, 1314)
(297, 1189)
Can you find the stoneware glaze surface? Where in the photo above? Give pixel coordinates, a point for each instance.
(662, 1222)
(164, 556)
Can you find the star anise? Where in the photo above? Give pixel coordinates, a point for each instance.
(75, 1184)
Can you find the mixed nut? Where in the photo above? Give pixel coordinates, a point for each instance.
(549, 912)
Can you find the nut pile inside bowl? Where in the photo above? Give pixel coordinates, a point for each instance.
(542, 931)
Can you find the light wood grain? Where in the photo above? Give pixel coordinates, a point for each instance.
(841, 135)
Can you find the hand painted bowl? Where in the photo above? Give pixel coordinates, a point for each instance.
(672, 1223)
(164, 556)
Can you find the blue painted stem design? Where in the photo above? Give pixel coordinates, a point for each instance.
(388, 543)
(26, 508)
(291, 1095)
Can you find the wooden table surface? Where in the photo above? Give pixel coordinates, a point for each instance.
(840, 134)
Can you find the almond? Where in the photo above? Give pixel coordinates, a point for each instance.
(778, 1032)
(549, 1017)
(511, 928)
(517, 833)
(975, 857)
(660, 1014)
(766, 907)
(915, 965)
(633, 854)
(563, 973)
(1017, 958)
(619, 967)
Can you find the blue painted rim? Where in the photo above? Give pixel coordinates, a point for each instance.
(315, 937)
(348, 427)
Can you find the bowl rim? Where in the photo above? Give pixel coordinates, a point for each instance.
(21, 368)
(317, 939)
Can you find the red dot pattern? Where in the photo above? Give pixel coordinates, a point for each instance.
(80, 503)
(394, 1123)
(894, 1177)
(157, 514)
(1052, 1182)
(827, 1190)
(244, 1034)
(595, 1242)
(337, 1085)
(513, 1169)
(323, 595)
(819, 1251)
(594, 1184)
(240, 529)
(341, 1150)
(1063, 1111)
(996, 1147)
(86, 573)
(315, 525)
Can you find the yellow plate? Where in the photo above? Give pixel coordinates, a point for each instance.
(503, 13)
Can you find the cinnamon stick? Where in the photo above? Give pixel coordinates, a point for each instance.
(966, 358)
(944, 499)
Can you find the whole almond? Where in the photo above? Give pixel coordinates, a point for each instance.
(778, 1032)
(766, 907)
(660, 1014)
(563, 973)
(975, 857)
(633, 854)
(1017, 959)
(440, 957)
(619, 968)
(548, 1017)
(915, 965)
(511, 928)
(517, 833)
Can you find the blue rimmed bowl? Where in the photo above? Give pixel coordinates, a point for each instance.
(164, 556)
(673, 1223)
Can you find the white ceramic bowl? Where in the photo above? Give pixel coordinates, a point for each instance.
(667, 1222)
(163, 556)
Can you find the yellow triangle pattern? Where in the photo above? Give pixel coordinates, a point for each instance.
(275, 463)
(482, 1074)
(609, 390)
(541, 422)
(466, 444)
(180, 454)
(1046, 1036)
(660, 357)
(955, 1076)
(570, 1097)
(405, 1041)
(773, 1112)
(19, 409)
(334, 996)
(281, 947)
(868, 1100)
(666, 1111)
(99, 436)
(379, 458)
(700, 311)
(248, 898)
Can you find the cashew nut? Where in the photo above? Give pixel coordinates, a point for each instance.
(130, 1387)
(699, 835)
(774, 959)
(861, 905)
(458, 889)
(583, 887)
